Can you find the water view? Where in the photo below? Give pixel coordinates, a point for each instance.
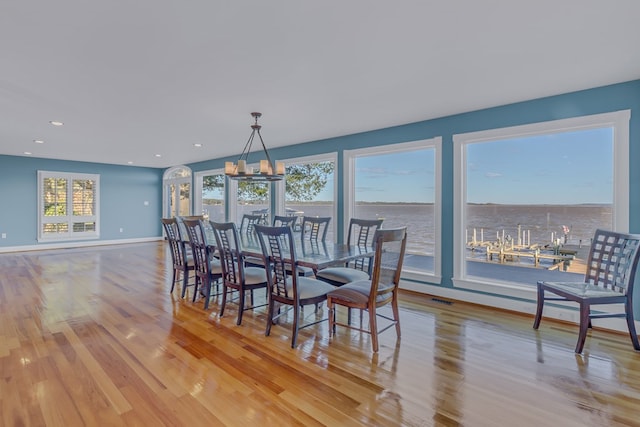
(541, 226)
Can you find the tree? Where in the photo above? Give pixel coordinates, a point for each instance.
(303, 182)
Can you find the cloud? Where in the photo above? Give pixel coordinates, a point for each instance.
(493, 175)
(385, 171)
(373, 171)
(364, 189)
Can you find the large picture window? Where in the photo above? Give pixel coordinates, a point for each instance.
(309, 189)
(210, 191)
(529, 198)
(400, 183)
(68, 206)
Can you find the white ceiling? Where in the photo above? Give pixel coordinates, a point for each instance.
(135, 78)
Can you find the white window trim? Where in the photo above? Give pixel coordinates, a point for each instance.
(70, 219)
(280, 185)
(618, 120)
(166, 182)
(198, 187)
(349, 202)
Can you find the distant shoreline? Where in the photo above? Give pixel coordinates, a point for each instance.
(328, 202)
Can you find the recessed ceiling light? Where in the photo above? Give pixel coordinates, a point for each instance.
(38, 141)
(56, 123)
(28, 153)
(197, 145)
(129, 163)
(158, 155)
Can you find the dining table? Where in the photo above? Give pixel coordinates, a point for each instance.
(315, 255)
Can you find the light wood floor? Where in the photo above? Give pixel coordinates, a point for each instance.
(92, 337)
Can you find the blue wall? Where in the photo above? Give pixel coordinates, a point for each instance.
(125, 188)
(123, 191)
(605, 99)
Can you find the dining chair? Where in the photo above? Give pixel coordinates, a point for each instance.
(360, 234)
(285, 288)
(314, 228)
(611, 269)
(181, 257)
(248, 221)
(207, 268)
(280, 221)
(235, 275)
(380, 290)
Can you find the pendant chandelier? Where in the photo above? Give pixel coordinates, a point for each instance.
(268, 170)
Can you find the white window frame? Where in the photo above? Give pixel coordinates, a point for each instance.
(319, 158)
(197, 187)
(168, 180)
(69, 218)
(231, 198)
(618, 120)
(349, 201)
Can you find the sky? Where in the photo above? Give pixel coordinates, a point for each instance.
(396, 177)
(563, 168)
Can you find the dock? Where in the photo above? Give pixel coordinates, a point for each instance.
(503, 255)
(568, 258)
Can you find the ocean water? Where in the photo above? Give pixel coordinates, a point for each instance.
(532, 224)
(540, 224)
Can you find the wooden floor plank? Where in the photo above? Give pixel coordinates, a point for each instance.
(91, 336)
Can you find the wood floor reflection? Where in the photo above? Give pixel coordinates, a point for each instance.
(92, 336)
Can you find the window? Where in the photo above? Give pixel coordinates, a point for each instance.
(252, 198)
(529, 198)
(177, 192)
(210, 188)
(401, 184)
(310, 189)
(68, 206)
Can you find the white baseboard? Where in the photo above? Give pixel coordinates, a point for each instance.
(80, 244)
(527, 307)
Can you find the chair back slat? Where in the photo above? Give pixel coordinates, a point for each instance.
(249, 221)
(279, 253)
(176, 242)
(390, 245)
(612, 260)
(314, 228)
(227, 242)
(361, 232)
(282, 221)
(199, 246)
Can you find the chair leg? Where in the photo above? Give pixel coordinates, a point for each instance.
(195, 288)
(396, 313)
(332, 319)
(185, 278)
(373, 328)
(184, 288)
(632, 325)
(175, 279)
(584, 326)
(207, 293)
(224, 299)
(269, 316)
(296, 319)
(536, 322)
(241, 304)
